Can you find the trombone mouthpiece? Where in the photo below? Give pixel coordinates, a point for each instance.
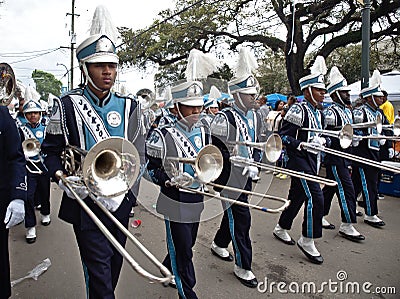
(59, 174)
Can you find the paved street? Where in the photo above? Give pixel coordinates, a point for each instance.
(370, 264)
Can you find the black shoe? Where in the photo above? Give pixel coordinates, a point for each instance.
(172, 283)
(314, 259)
(252, 283)
(375, 224)
(352, 237)
(30, 240)
(359, 214)
(330, 226)
(361, 203)
(131, 214)
(290, 242)
(47, 223)
(228, 258)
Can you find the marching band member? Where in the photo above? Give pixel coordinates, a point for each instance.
(181, 208)
(305, 115)
(210, 106)
(337, 168)
(230, 125)
(38, 178)
(12, 191)
(365, 177)
(81, 118)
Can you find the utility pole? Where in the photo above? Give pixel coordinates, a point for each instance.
(365, 42)
(73, 41)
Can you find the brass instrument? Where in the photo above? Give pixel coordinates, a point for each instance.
(31, 148)
(345, 155)
(272, 147)
(345, 135)
(208, 166)
(109, 169)
(374, 124)
(7, 84)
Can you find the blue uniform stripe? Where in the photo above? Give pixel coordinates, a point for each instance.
(342, 196)
(172, 255)
(365, 190)
(232, 230)
(86, 275)
(309, 213)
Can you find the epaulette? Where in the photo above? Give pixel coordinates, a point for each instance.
(358, 116)
(330, 117)
(76, 91)
(295, 115)
(155, 144)
(219, 125)
(126, 96)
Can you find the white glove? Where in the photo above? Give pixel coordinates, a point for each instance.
(382, 141)
(251, 171)
(77, 186)
(391, 153)
(321, 141)
(15, 213)
(111, 204)
(303, 145)
(183, 180)
(356, 140)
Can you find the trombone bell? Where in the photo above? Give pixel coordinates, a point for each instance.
(209, 163)
(111, 167)
(7, 84)
(31, 147)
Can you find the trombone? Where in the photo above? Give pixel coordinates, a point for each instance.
(7, 84)
(395, 127)
(110, 168)
(345, 135)
(31, 148)
(208, 166)
(355, 158)
(272, 149)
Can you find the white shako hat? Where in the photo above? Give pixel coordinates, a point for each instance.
(316, 77)
(199, 66)
(244, 81)
(374, 87)
(337, 81)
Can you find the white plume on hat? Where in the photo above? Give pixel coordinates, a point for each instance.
(376, 79)
(319, 66)
(214, 93)
(31, 94)
(200, 65)
(246, 64)
(102, 24)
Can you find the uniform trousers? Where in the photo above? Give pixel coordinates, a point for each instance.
(5, 287)
(37, 183)
(310, 193)
(235, 227)
(365, 180)
(344, 192)
(101, 262)
(181, 238)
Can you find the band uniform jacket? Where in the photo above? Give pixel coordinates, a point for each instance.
(301, 115)
(12, 163)
(177, 204)
(66, 126)
(229, 126)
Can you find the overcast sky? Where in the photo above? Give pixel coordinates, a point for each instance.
(35, 25)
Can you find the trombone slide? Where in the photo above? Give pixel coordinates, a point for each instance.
(168, 275)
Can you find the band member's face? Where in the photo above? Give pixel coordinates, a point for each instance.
(212, 110)
(189, 113)
(318, 94)
(248, 100)
(32, 117)
(378, 101)
(103, 74)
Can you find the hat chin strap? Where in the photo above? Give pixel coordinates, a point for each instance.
(312, 96)
(341, 100)
(240, 101)
(182, 118)
(88, 79)
(373, 100)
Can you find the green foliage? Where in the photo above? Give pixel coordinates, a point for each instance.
(46, 83)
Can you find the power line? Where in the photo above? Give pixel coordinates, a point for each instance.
(21, 54)
(36, 56)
